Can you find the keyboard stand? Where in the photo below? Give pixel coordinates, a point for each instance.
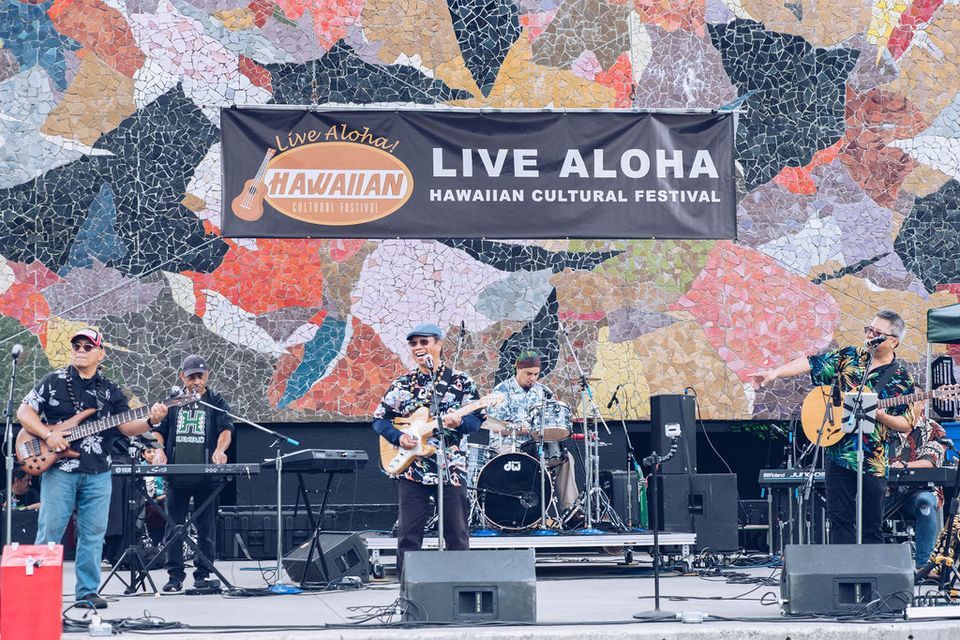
(139, 569)
(315, 546)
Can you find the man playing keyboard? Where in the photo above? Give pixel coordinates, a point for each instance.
(193, 434)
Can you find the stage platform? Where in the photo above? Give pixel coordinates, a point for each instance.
(585, 598)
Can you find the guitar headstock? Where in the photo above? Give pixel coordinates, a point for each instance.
(185, 397)
(947, 392)
(491, 399)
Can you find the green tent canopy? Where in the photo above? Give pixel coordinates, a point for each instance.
(943, 324)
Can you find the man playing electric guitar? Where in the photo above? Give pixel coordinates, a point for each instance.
(417, 483)
(80, 481)
(887, 378)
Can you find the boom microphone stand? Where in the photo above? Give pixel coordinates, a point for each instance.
(8, 442)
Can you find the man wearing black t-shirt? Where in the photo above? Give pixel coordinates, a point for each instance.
(24, 495)
(193, 434)
(81, 483)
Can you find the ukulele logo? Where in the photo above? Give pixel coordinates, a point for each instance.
(326, 183)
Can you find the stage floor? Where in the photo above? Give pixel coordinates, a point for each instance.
(580, 598)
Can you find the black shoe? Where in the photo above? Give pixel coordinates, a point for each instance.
(172, 586)
(91, 601)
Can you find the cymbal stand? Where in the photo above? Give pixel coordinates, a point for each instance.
(543, 530)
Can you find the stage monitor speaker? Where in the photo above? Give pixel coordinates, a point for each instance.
(679, 409)
(704, 504)
(342, 554)
(840, 579)
(470, 586)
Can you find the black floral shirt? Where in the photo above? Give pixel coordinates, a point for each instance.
(848, 364)
(51, 399)
(414, 390)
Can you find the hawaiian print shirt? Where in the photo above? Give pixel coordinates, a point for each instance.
(413, 390)
(848, 364)
(919, 444)
(515, 407)
(52, 402)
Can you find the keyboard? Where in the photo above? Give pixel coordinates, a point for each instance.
(321, 461)
(908, 477)
(235, 469)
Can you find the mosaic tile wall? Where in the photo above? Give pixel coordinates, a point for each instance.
(849, 157)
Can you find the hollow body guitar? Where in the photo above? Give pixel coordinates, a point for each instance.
(814, 409)
(36, 457)
(420, 425)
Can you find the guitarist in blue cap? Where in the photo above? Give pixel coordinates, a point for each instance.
(418, 482)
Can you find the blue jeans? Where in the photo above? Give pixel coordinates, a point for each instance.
(922, 507)
(89, 495)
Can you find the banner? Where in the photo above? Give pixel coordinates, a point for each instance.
(473, 174)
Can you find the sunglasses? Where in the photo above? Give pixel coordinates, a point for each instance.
(85, 347)
(422, 342)
(870, 331)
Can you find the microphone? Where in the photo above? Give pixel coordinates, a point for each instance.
(16, 351)
(875, 341)
(175, 391)
(428, 360)
(836, 396)
(613, 398)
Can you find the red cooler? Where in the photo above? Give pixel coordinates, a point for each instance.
(31, 588)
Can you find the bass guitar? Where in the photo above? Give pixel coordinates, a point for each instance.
(420, 425)
(36, 457)
(813, 413)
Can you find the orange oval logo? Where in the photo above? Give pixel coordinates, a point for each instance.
(337, 183)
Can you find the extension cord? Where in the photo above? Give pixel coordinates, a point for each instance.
(99, 628)
(692, 617)
(942, 611)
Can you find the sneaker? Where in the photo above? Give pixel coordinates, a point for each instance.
(172, 586)
(91, 601)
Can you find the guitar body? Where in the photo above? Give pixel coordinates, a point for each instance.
(419, 425)
(812, 417)
(33, 452)
(249, 204)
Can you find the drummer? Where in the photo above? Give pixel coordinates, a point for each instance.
(522, 393)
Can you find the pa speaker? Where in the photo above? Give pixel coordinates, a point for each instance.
(335, 555)
(677, 409)
(470, 586)
(839, 579)
(704, 504)
(621, 489)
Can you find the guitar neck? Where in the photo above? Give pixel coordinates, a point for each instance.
(469, 408)
(907, 399)
(90, 428)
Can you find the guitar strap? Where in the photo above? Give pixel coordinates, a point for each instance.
(886, 376)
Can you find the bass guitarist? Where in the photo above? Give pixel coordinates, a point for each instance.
(80, 481)
(418, 483)
(888, 378)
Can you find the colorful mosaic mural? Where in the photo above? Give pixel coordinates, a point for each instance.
(848, 147)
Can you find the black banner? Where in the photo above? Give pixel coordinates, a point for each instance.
(472, 174)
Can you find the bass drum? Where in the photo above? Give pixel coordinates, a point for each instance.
(509, 486)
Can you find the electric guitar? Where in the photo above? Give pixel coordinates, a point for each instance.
(420, 425)
(813, 411)
(37, 457)
(249, 204)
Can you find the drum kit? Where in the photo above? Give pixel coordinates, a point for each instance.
(517, 488)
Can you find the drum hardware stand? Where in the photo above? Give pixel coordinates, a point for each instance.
(654, 460)
(278, 587)
(8, 444)
(543, 530)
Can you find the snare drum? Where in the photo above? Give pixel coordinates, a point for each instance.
(550, 421)
(554, 453)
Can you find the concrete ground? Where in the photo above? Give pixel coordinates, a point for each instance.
(583, 599)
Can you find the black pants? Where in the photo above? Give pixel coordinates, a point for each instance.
(178, 503)
(416, 509)
(842, 505)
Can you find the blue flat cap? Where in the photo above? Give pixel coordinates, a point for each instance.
(427, 329)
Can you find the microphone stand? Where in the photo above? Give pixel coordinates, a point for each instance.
(8, 447)
(278, 587)
(631, 463)
(441, 457)
(654, 460)
(857, 417)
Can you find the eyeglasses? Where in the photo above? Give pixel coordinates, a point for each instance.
(870, 331)
(85, 347)
(422, 342)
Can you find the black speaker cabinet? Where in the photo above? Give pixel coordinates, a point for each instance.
(342, 555)
(470, 586)
(704, 504)
(679, 409)
(621, 489)
(837, 579)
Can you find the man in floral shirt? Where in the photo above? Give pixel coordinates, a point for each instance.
(847, 366)
(81, 483)
(406, 394)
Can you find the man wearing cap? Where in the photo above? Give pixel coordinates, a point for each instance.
(193, 434)
(522, 393)
(406, 394)
(83, 483)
